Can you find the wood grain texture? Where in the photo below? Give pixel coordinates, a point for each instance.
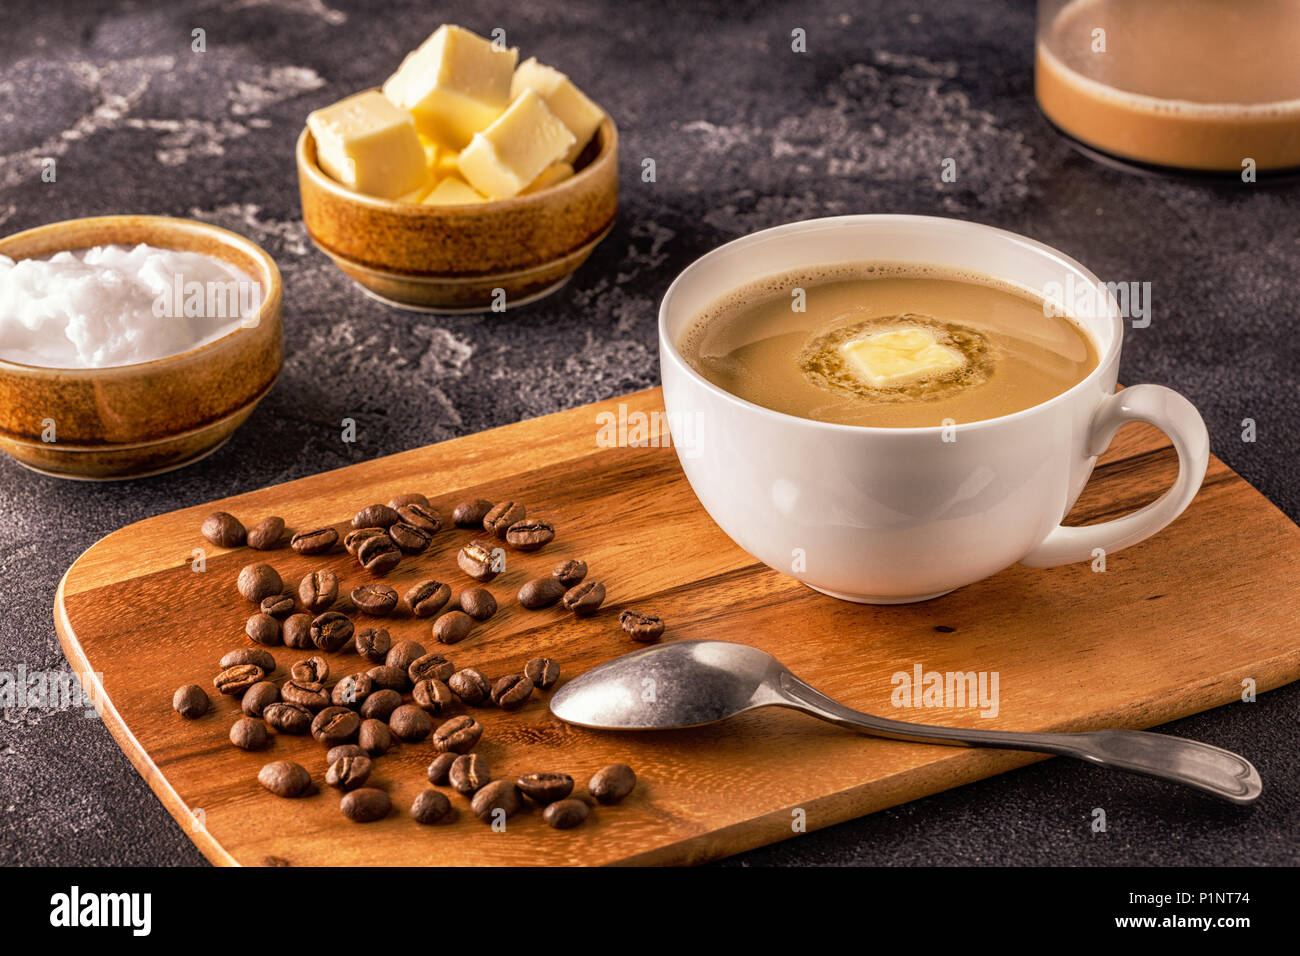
(1171, 627)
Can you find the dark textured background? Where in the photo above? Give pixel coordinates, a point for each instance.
(746, 135)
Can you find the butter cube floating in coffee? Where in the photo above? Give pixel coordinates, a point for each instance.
(506, 157)
(897, 356)
(565, 100)
(455, 84)
(368, 144)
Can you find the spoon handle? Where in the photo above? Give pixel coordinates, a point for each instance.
(1210, 769)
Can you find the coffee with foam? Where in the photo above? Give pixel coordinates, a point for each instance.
(887, 345)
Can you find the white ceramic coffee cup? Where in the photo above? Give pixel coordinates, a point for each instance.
(892, 515)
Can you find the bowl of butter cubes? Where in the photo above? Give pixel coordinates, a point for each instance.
(469, 182)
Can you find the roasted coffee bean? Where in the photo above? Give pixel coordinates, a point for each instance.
(405, 653)
(378, 554)
(531, 534)
(249, 655)
(365, 805)
(331, 630)
(257, 581)
(307, 693)
(498, 800)
(335, 725)
(373, 643)
(420, 516)
(352, 690)
(264, 629)
(611, 784)
(470, 514)
(642, 627)
(407, 498)
(266, 534)
(427, 598)
(502, 516)
(313, 670)
(584, 599)
(468, 773)
(297, 631)
(512, 691)
(352, 540)
(478, 603)
(248, 733)
(284, 778)
(545, 787)
(190, 701)
(316, 541)
(458, 735)
(453, 627)
(279, 606)
(224, 530)
(433, 666)
(233, 681)
(410, 724)
(566, 814)
(374, 737)
(388, 677)
(570, 571)
(481, 560)
(430, 806)
(543, 672)
(287, 718)
(377, 600)
(470, 686)
(440, 769)
(381, 704)
(376, 516)
(539, 593)
(432, 695)
(257, 697)
(318, 591)
(348, 773)
(343, 750)
(409, 538)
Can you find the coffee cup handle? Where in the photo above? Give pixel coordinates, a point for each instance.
(1177, 418)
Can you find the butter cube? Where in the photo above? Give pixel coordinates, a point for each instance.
(552, 174)
(566, 101)
(890, 358)
(431, 152)
(448, 161)
(369, 145)
(455, 84)
(417, 195)
(503, 159)
(453, 191)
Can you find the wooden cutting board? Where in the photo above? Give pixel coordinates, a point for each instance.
(1171, 627)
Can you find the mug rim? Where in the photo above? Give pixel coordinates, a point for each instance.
(669, 347)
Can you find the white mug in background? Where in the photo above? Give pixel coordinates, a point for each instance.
(893, 515)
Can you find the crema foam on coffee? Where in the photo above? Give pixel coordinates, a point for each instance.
(887, 345)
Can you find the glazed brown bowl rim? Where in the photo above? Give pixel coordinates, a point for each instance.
(169, 224)
(310, 167)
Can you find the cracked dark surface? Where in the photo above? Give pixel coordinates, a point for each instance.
(745, 135)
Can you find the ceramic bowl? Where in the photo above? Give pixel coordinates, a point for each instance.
(454, 258)
(134, 420)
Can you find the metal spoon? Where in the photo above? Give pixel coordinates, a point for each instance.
(689, 683)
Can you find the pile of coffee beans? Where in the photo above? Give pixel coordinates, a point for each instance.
(404, 695)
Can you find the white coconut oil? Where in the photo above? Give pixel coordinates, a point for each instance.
(119, 305)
